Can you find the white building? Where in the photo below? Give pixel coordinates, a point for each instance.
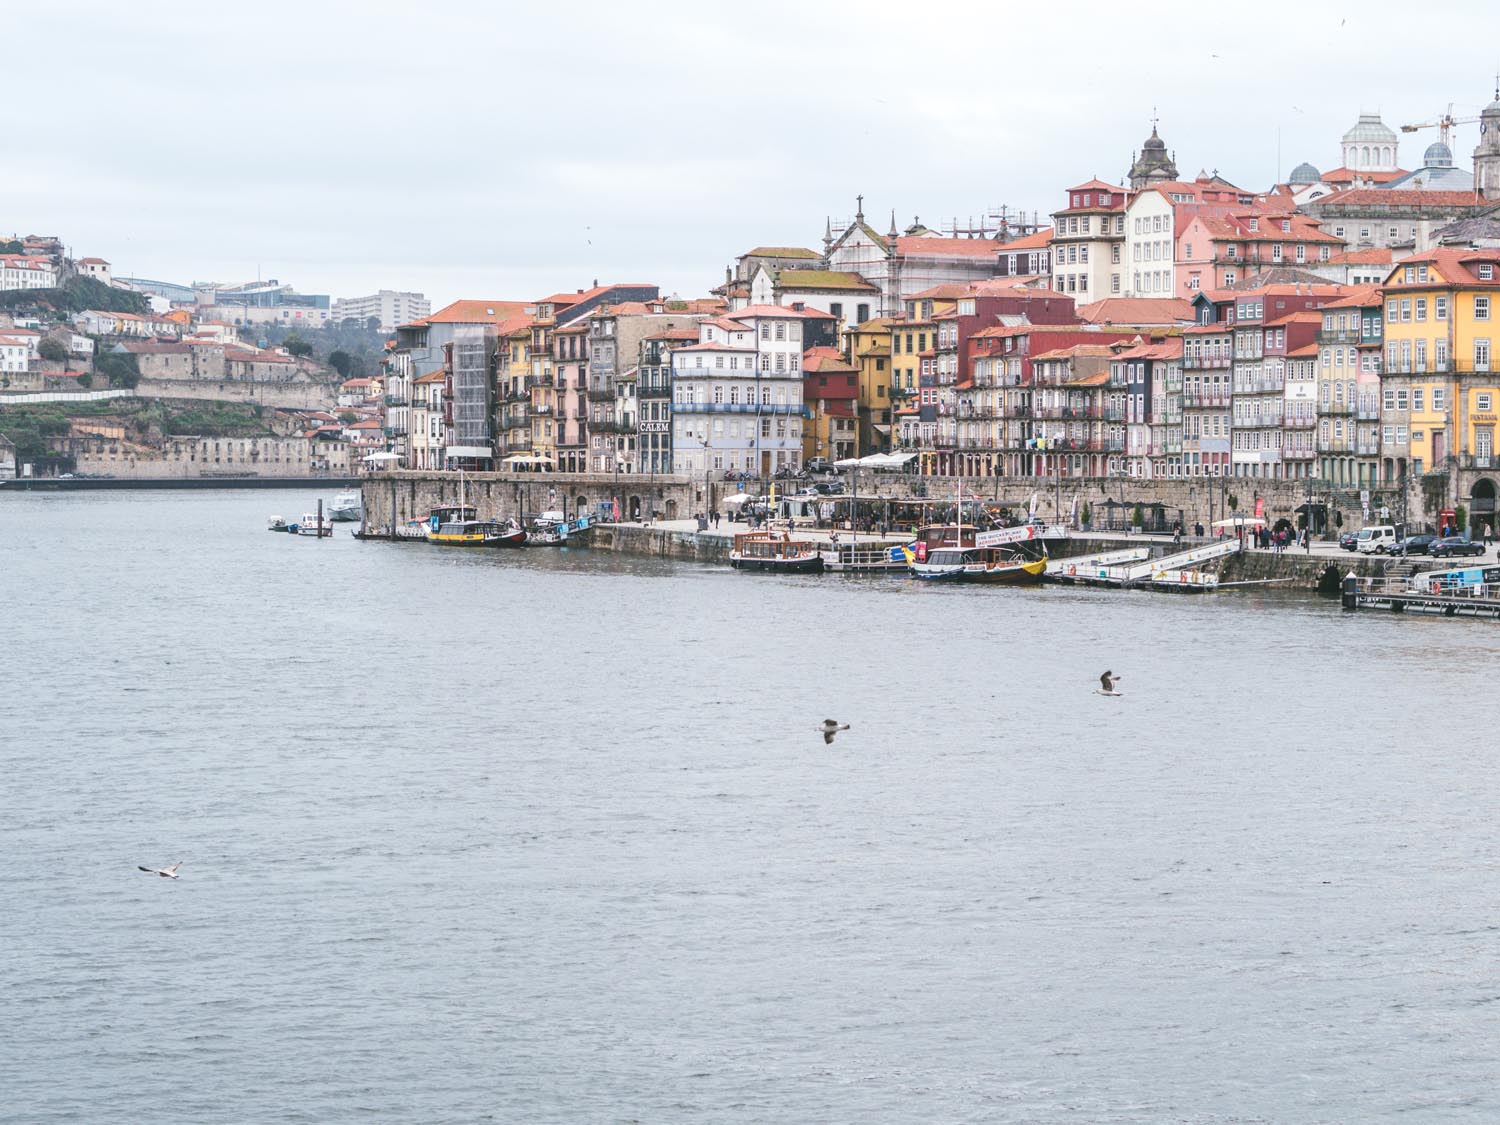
(390, 306)
(96, 268)
(18, 271)
(737, 394)
(15, 354)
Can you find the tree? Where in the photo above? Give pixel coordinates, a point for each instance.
(53, 350)
(341, 361)
(1087, 514)
(348, 417)
(297, 346)
(120, 368)
(85, 380)
(1460, 519)
(1137, 516)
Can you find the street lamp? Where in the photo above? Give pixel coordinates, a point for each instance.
(703, 441)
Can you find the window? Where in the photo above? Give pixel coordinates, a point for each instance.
(1255, 224)
(1439, 398)
(1401, 398)
(1440, 308)
(1390, 311)
(1416, 399)
(1421, 308)
(1486, 272)
(1481, 355)
(1481, 308)
(836, 309)
(1482, 402)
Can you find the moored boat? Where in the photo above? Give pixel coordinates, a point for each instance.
(277, 523)
(310, 525)
(346, 507)
(778, 553)
(554, 529)
(456, 525)
(997, 565)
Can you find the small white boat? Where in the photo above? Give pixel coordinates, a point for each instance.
(308, 525)
(346, 507)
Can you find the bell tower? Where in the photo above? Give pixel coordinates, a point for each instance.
(1487, 152)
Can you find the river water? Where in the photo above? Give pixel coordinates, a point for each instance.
(550, 837)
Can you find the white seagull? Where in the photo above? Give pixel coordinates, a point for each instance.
(164, 872)
(830, 728)
(1107, 683)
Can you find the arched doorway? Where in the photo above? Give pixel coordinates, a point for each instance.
(580, 506)
(633, 506)
(1482, 507)
(671, 509)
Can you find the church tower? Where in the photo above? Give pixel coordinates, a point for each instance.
(1487, 152)
(1153, 166)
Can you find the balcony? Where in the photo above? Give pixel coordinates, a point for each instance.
(613, 426)
(521, 443)
(1263, 422)
(1367, 413)
(1114, 413)
(1367, 448)
(739, 408)
(1298, 453)
(396, 429)
(1341, 336)
(1336, 445)
(647, 390)
(598, 393)
(541, 408)
(1067, 413)
(516, 421)
(397, 400)
(1336, 408)
(1219, 396)
(1218, 361)
(1300, 421)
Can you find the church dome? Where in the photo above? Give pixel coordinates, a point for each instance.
(1369, 128)
(1305, 173)
(1437, 156)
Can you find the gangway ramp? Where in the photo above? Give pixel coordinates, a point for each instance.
(1082, 567)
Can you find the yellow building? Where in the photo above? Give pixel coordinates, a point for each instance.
(868, 347)
(1441, 325)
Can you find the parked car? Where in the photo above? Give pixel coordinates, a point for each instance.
(1411, 545)
(1456, 545)
(821, 465)
(1349, 541)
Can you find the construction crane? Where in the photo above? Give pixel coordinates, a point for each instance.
(1444, 125)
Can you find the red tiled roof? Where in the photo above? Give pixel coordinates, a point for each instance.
(1038, 240)
(1374, 256)
(782, 311)
(921, 246)
(475, 312)
(1404, 197)
(1137, 310)
(1361, 296)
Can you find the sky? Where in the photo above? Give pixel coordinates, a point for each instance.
(507, 151)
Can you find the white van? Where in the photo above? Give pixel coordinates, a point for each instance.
(1373, 539)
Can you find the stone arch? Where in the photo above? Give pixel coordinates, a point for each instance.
(633, 509)
(580, 505)
(671, 509)
(1482, 506)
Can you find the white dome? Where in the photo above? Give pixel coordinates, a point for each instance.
(1437, 156)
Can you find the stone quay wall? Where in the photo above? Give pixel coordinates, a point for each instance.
(1200, 500)
(391, 499)
(282, 396)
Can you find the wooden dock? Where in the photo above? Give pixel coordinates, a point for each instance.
(1450, 598)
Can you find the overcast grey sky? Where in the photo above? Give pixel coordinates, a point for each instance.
(499, 150)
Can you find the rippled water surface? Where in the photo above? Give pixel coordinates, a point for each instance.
(544, 836)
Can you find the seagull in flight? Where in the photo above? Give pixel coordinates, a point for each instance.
(830, 728)
(1107, 683)
(164, 872)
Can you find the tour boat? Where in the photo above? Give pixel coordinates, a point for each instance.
(456, 525)
(308, 525)
(979, 564)
(779, 553)
(346, 506)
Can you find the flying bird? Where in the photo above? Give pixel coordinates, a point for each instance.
(830, 728)
(164, 872)
(1107, 683)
